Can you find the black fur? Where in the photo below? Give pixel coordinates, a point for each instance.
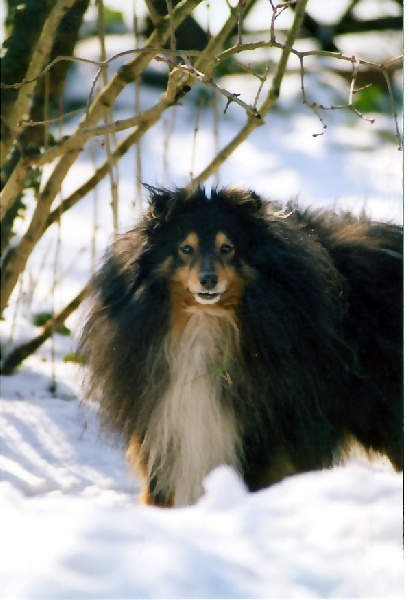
(321, 352)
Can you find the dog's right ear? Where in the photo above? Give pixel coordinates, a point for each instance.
(159, 201)
(162, 202)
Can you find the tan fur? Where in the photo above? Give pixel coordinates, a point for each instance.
(133, 457)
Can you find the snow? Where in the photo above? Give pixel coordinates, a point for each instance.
(71, 527)
(70, 523)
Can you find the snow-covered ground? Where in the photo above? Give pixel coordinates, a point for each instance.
(70, 526)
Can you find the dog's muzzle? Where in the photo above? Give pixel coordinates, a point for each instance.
(211, 290)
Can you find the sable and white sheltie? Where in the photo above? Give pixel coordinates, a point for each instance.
(226, 330)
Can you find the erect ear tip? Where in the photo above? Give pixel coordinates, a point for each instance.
(159, 200)
(164, 202)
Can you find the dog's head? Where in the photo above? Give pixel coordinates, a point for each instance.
(205, 266)
(200, 243)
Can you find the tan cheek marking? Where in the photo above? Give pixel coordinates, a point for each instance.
(181, 276)
(222, 272)
(236, 284)
(194, 275)
(181, 297)
(231, 274)
(234, 292)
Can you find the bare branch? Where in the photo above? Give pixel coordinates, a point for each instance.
(153, 15)
(13, 187)
(109, 139)
(241, 9)
(276, 12)
(355, 70)
(173, 41)
(392, 103)
(231, 97)
(357, 62)
(97, 63)
(38, 59)
(262, 78)
(315, 107)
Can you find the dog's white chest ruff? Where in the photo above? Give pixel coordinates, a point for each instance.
(192, 431)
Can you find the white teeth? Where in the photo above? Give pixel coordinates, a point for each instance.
(207, 298)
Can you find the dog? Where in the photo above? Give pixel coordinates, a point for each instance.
(227, 329)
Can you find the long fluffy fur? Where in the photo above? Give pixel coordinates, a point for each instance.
(305, 355)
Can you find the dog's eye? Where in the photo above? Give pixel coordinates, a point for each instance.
(187, 249)
(226, 249)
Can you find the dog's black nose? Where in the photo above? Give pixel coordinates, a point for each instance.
(208, 280)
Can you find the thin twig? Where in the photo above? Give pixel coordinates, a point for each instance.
(96, 63)
(53, 121)
(113, 171)
(231, 97)
(241, 9)
(262, 78)
(172, 38)
(195, 140)
(153, 15)
(276, 12)
(393, 105)
(355, 70)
